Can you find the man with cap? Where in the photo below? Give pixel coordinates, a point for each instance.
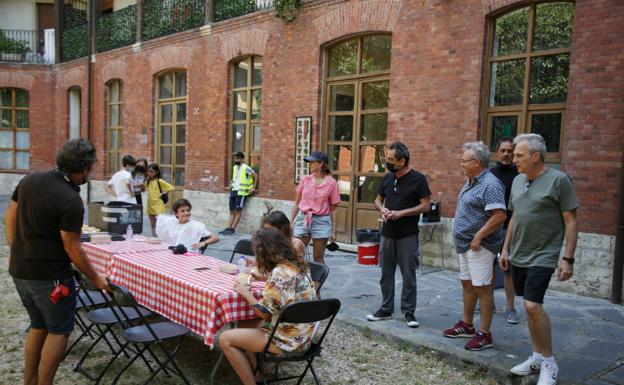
(315, 205)
(402, 196)
(244, 183)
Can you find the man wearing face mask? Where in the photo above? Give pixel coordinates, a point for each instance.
(120, 184)
(43, 225)
(244, 183)
(401, 197)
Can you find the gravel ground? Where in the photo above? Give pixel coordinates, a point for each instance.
(350, 356)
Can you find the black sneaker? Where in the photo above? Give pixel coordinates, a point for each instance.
(379, 315)
(224, 231)
(411, 320)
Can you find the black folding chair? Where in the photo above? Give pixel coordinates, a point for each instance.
(244, 247)
(299, 312)
(104, 319)
(143, 334)
(87, 300)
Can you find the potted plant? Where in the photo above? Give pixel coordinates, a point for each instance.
(11, 49)
(287, 10)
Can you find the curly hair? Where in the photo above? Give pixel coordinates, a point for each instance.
(271, 247)
(75, 155)
(278, 220)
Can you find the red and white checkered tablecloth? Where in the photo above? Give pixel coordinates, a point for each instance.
(100, 254)
(204, 301)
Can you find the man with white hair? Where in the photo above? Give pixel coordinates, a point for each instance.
(477, 233)
(544, 206)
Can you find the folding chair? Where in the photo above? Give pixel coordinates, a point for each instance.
(87, 300)
(244, 247)
(143, 334)
(104, 318)
(319, 272)
(299, 312)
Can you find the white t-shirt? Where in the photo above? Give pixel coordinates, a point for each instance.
(171, 231)
(137, 182)
(120, 182)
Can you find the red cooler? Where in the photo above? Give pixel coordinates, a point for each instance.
(368, 253)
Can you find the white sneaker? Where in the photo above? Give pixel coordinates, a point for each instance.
(530, 366)
(548, 375)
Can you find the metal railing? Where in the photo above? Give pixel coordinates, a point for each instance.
(228, 9)
(21, 46)
(117, 29)
(164, 17)
(159, 18)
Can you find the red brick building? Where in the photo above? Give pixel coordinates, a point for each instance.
(432, 73)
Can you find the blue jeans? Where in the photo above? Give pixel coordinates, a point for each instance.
(57, 318)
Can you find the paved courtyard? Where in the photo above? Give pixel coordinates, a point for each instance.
(588, 333)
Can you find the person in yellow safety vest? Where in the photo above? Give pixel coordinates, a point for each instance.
(244, 183)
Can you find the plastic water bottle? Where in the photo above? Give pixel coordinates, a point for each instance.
(129, 233)
(242, 264)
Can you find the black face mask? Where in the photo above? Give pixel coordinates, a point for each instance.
(390, 167)
(237, 162)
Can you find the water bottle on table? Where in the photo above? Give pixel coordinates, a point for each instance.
(129, 233)
(243, 276)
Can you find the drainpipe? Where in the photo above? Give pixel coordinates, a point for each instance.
(90, 50)
(618, 255)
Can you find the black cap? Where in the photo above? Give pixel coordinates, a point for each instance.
(239, 155)
(317, 156)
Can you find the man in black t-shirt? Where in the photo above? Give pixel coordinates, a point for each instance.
(401, 197)
(43, 225)
(506, 171)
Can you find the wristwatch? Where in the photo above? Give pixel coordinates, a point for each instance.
(569, 260)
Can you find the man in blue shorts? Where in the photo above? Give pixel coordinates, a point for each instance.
(43, 225)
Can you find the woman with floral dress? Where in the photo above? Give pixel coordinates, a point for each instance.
(288, 281)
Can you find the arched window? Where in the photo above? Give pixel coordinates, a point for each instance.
(171, 135)
(14, 129)
(246, 108)
(114, 124)
(528, 65)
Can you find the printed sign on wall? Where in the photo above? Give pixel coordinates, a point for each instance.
(303, 134)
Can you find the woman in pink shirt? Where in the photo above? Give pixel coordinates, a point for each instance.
(315, 205)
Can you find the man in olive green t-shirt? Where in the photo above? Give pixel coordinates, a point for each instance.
(544, 206)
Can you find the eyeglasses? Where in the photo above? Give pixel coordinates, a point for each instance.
(395, 185)
(467, 160)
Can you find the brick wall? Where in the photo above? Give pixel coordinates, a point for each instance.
(435, 93)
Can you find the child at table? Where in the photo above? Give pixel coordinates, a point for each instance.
(181, 229)
(288, 281)
(278, 220)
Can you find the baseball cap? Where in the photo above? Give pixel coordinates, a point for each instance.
(317, 156)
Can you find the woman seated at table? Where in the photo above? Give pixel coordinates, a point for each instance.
(279, 221)
(288, 281)
(181, 229)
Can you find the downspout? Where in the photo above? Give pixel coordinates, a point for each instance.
(90, 42)
(618, 255)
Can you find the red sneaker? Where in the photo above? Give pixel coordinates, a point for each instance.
(480, 341)
(460, 330)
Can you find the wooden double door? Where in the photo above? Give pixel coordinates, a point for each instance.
(356, 130)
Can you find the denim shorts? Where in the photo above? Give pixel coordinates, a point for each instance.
(320, 228)
(35, 295)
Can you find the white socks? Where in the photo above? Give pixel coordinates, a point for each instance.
(538, 357)
(550, 361)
